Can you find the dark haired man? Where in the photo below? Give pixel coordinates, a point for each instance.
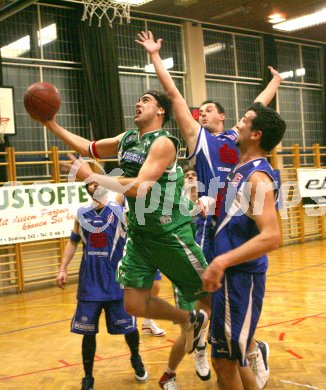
(212, 151)
(246, 229)
(159, 234)
(103, 238)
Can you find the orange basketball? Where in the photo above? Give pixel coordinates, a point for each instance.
(42, 100)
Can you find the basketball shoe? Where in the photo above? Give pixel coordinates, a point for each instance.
(168, 382)
(201, 363)
(88, 383)
(258, 361)
(140, 371)
(196, 323)
(151, 328)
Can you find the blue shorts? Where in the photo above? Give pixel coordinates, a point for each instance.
(204, 236)
(236, 309)
(86, 318)
(158, 275)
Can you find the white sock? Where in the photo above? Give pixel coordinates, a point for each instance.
(169, 371)
(253, 353)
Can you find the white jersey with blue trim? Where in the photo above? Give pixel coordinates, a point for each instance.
(214, 158)
(103, 237)
(234, 225)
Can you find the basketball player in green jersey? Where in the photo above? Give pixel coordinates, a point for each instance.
(159, 232)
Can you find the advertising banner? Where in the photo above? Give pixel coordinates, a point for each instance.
(312, 186)
(39, 211)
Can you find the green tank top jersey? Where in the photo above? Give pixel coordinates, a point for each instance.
(164, 208)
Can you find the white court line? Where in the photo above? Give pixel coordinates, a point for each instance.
(301, 385)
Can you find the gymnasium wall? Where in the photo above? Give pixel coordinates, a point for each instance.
(205, 62)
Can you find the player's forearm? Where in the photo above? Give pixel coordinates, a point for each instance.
(74, 141)
(130, 186)
(269, 92)
(188, 126)
(252, 249)
(68, 254)
(164, 76)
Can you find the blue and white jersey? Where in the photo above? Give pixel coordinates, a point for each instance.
(215, 156)
(103, 237)
(234, 224)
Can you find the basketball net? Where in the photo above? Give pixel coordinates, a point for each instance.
(110, 9)
(3, 126)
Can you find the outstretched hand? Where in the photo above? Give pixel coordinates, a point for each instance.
(146, 39)
(275, 73)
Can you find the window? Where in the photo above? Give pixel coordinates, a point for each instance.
(235, 97)
(54, 49)
(234, 55)
(137, 74)
(299, 63)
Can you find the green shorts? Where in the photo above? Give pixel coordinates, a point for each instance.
(175, 254)
(180, 301)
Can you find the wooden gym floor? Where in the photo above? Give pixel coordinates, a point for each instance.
(38, 351)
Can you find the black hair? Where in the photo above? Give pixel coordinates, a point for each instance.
(164, 102)
(188, 168)
(86, 186)
(270, 123)
(219, 107)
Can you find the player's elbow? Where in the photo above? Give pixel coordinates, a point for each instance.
(274, 240)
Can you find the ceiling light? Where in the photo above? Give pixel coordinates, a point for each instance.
(276, 18)
(47, 34)
(168, 64)
(287, 75)
(302, 22)
(214, 48)
(17, 48)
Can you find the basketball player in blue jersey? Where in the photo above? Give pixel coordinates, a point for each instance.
(103, 237)
(246, 228)
(168, 379)
(212, 150)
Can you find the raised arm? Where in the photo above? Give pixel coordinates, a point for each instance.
(104, 148)
(266, 96)
(68, 254)
(188, 126)
(269, 92)
(263, 204)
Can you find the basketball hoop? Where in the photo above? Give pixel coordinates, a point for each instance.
(111, 9)
(3, 126)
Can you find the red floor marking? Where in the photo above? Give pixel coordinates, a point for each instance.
(284, 322)
(97, 357)
(66, 365)
(300, 320)
(291, 291)
(294, 354)
(281, 336)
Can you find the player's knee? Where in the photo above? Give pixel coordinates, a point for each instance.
(130, 308)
